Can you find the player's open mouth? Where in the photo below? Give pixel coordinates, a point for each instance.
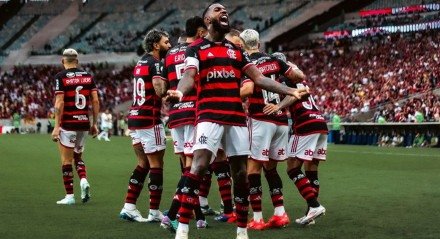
(224, 20)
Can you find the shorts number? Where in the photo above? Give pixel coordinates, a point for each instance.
(270, 97)
(80, 99)
(310, 103)
(138, 91)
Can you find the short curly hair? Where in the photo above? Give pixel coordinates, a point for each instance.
(153, 36)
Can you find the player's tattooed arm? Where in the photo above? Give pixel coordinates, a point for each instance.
(272, 109)
(187, 82)
(160, 86)
(59, 105)
(184, 87)
(268, 84)
(247, 89)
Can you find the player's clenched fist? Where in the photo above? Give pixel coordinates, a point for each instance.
(56, 134)
(173, 96)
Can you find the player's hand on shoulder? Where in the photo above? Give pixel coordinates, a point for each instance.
(56, 134)
(299, 93)
(270, 109)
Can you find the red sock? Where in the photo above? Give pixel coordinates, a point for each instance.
(79, 165)
(275, 187)
(241, 194)
(135, 184)
(255, 192)
(313, 178)
(304, 187)
(155, 187)
(222, 171)
(189, 197)
(68, 178)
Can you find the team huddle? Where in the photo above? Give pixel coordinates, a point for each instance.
(228, 115)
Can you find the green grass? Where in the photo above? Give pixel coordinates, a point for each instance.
(369, 192)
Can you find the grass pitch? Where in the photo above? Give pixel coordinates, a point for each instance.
(369, 192)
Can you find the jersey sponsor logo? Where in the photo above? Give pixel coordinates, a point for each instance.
(134, 112)
(70, 74)
(184, 105)
(188, 145)
(281, 152)
(210, 54)
(223, 73)
(205, 46)
(78, 81)
(316, 116)
(231, 54)
(81, 117)
(134, 181)
(322, 152)
(268, 68)
(308, 152)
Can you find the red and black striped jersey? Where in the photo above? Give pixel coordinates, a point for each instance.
(182, 113)
(220, 66)
(307, 118)
(145, 110)
(77, 86)
(273, 68)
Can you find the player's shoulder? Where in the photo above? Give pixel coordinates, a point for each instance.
(198, 43)
(147, 59)
(179, 48)
(81, 72)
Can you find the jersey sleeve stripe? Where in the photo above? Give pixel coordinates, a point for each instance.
(247, 65)
(191, 62)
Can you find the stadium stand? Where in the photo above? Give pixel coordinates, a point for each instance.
(359, 75)
(351, 76)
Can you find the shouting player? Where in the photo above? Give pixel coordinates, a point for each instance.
(75, 91)
(182, 117)
(147, 130)
(220, 118)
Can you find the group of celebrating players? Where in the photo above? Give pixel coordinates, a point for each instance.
(229, 108)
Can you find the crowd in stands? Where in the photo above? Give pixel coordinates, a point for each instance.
(381, 20)
(357, 75)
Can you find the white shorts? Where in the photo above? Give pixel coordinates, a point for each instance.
(268, 140)
(73, 139)
(183, 139)
(152, 139)
(212, 136)
(308, 147)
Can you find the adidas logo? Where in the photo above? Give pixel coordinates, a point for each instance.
(210, 54)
